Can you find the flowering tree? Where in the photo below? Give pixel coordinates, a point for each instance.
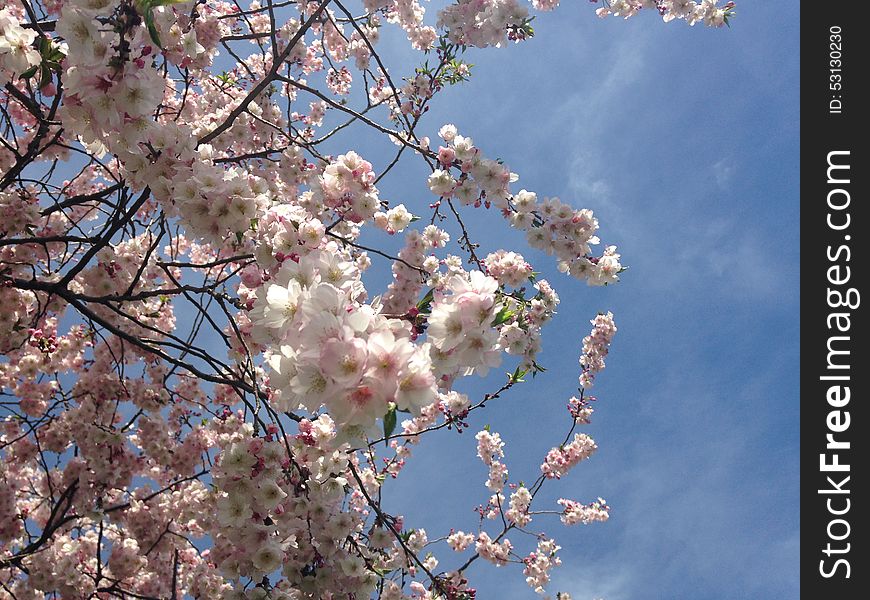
(201, 397)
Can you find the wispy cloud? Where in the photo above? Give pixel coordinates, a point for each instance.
(723, 171)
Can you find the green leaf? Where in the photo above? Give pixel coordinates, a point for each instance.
(152, 29)
(517, 376)
(55, 55)
(29, 72)
(426, 301)
(390, 422)
(45, 75)
(503, 316)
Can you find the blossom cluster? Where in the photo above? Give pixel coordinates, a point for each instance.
(408, 272)
(707, 12)
(494, 551)
(551, 225)
(539, 563)
(490, 450)
(508, 268)
(461, 327)
(560, 460)
(574, 512)
(481, 24)
(327, 348)
(520, 502)
(17, 54)
(596, 346)
(348, 187)
(277, 514)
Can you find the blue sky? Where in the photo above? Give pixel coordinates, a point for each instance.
(684, 141)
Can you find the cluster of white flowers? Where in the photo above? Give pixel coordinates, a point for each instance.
(102, 100)
(409, 15)
(481, 180)
(243, 495)
(213, 201)
(481, 23)
(126, 558)
(692, 11)
(490, 450)
(455, 404)
(539, 564)
(520, 501)
(521, 335)
(558, 229)
(113, 90)
(560, 460)
(17, 54)
(285, 232)
(326, 348)
(17, 212)
(596, 346)
(274, 514)
(394, 220)
(461, 325)
(348, 187)
(550, 224)
(339, 81)
(508, 268)
(574, 512)
(404, 290)
(459, 540)
(498, 553)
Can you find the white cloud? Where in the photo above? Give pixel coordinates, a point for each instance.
(723, 171)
